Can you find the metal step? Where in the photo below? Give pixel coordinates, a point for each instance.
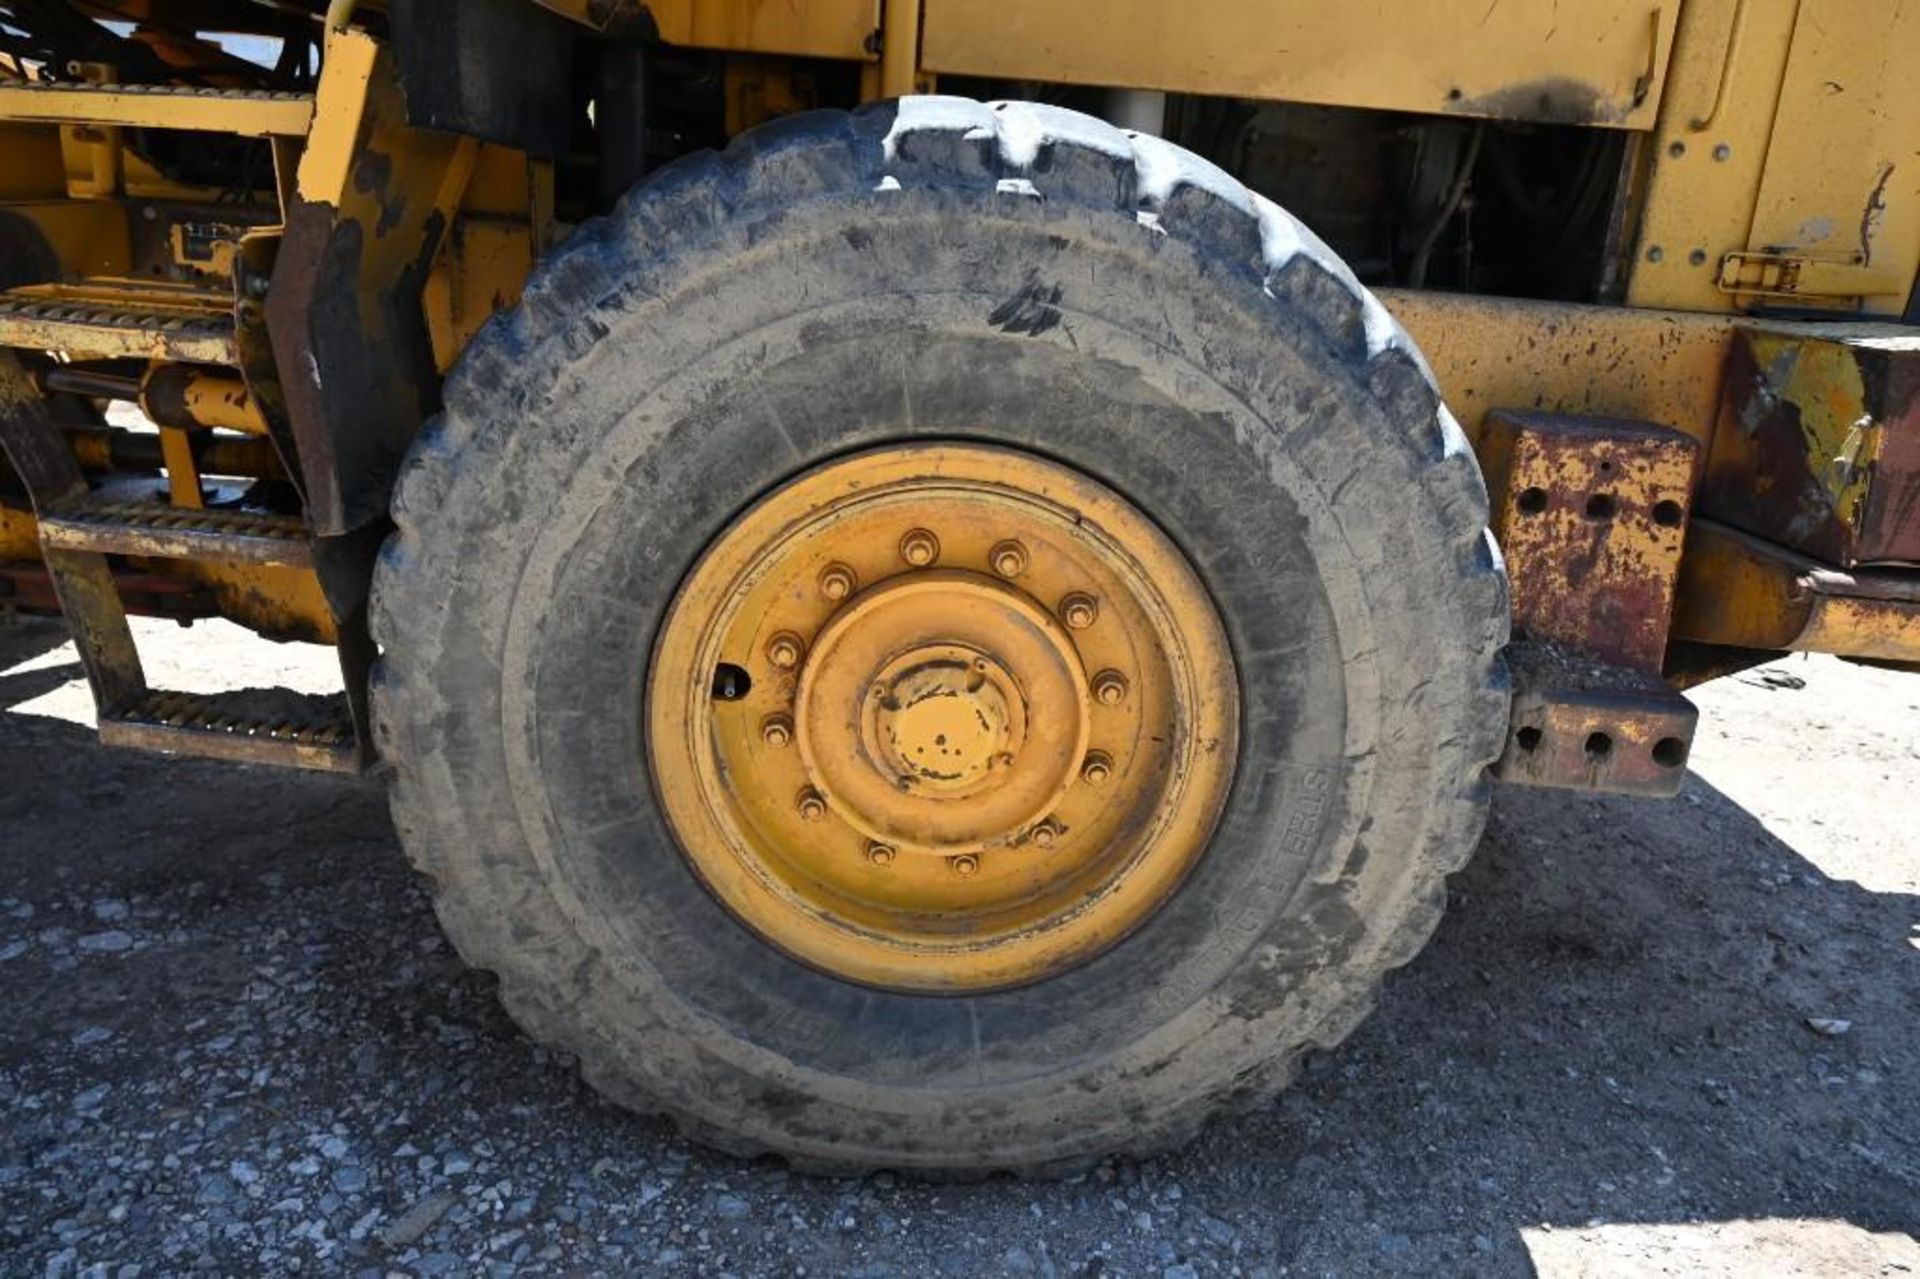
(81, 528)
(108, 319)
(121, 526)
(236, 112)
(254, 726)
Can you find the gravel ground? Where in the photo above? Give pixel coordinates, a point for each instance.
(1649, 1038)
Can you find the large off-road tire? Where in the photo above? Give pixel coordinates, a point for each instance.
(940, 270)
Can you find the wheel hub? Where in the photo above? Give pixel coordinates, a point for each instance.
(945, 723)
(988, 719)
(970, 712)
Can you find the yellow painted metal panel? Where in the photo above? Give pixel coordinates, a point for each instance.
(248, 114)
(1595, 61)
(815, 28)
(1842, 181)
(30, 164)
(1788, 131)
(346, 80)
(1709, 151)
(1742, 592)
(1662, 367)
(89, 237)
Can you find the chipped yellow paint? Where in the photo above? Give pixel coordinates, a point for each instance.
(1490, 353)
(1739, 591)
(1841, 441)
(276, 600)
(1788, 131)
(342, 102)
(1590, 514)
(1842, 179)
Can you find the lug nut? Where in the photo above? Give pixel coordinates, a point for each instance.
(919, 548)
(964, 865)
(1110, 688)
(1009, 559)
(784, 650)
(1045, 833)
(776, 730)
(812, 807)
(1097, 768)
(1079, 610)
(879, 854)
(837, 581)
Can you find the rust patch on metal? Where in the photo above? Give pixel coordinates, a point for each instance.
(1740, 591)
(1591, 514)
(1579, 724)
(1818, 442)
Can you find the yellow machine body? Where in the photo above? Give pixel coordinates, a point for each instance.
(1765, 168)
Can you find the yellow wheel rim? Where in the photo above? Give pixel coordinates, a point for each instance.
(942, 718)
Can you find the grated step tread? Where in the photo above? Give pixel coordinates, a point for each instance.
(252, 726)
(159, 90)
(177, 326)
(264, 112)
(115, 525)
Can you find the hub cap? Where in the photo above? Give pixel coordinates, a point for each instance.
(988, 722)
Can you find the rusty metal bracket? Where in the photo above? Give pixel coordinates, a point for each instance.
(1591, 514)
(1585, 725)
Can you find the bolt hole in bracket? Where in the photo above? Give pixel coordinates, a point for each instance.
(1584, 725)
(1591, 516)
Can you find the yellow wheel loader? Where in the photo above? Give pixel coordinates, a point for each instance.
(941, 584)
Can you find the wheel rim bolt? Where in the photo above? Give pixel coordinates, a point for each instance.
(1110, 688)
(776, 731)
(784, 650)
(1009, 559)
(812, 807)
(837, 581)
(879, 854)
(1079, 610)
(1097, 768)
(919, 548)
(964, 865)
(1046, 833)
